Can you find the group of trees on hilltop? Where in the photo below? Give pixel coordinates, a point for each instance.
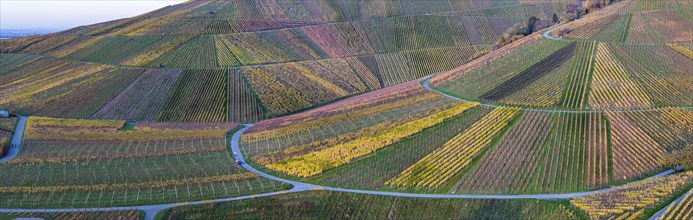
(593, 4)
(533, 24)
(520, 30)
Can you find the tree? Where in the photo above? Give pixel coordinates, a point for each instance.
(589, 4)
(683, 156)
(530, 25)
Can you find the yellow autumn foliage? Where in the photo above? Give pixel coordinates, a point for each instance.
(123, 186)
(42, 128)
(633, 196)
(612, 87)
(436, 168)
(681, 49)
(298, 127)
(156, 52)
(315, 163)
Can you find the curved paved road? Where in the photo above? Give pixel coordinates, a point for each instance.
(547, 35)
(151, 210)
(235, 146)
(16, 140)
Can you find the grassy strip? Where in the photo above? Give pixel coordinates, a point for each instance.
(624, 35)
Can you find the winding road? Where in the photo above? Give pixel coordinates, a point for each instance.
(151, 210)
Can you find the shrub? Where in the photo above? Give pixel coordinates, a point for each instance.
(479, 54)
(683, 156)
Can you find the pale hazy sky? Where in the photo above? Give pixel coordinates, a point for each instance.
(61, 14)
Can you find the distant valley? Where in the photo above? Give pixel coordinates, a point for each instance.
(14, 33)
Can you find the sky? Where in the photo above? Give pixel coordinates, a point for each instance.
(61, 14)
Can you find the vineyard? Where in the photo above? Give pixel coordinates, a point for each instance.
(334, 205)
(370, 140)
(199, 95)
(436, 168)
(263, 39)
(545, 152)
(373, 172)
(276, 139)
(6, 130)
(143, 99)
(196, 53)
(631, 201)
(62, 88)
(597, 76)
(530, 75)
(506, 70)
(681, 210)
(280, 86)
(611, 86)
(116, 50)
(87, 163)
(418, 106)
(120, 215)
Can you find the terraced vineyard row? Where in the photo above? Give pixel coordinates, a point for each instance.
(243, 105)
(681, 49)
(544, 153)
(116, 50)
(336, 205)
(211, 95)
(277, 139)
(682, 210)
(199, 95)
(438, 167)
(83, 163)
(121, 215)
(635, 152)
(545, 91)
(616, 31)
(611, 87)
(644, 5)
(530, 75)
(375, 171)
(659, 71)
(641, 31)
(198, 52)
(633, 199)
(478, 82)
(47, 86)
(281, 87)
(669, 127)
(10, 62)
(381, 136)
(649, 76)
(630, 24)
(143, 99)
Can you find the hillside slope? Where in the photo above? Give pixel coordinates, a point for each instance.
(276, 57)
